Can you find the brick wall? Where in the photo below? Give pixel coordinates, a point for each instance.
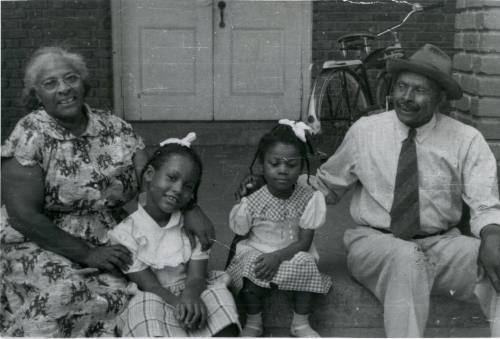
(477, 67)
(85, 25)
(82, 25)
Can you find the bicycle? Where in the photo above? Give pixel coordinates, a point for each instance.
(342, 93)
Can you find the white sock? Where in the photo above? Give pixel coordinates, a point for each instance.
(300, 319)
(253, 326)
(254, 319)
(300, 327)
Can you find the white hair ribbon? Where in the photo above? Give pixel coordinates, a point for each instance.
(299, 128)
(186, 141)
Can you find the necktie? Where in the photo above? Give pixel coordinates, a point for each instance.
(405, 211)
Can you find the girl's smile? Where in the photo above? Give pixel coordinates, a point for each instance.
(171, 187)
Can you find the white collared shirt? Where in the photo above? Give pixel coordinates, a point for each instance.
(454, 163)
(166, 250)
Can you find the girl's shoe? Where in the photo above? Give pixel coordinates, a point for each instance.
(252, 330)
(303, 331)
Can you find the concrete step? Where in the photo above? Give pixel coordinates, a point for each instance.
(210, 133)
(351, 310)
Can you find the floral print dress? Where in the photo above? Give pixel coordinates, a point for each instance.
(86, 178)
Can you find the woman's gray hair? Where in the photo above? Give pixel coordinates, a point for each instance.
(35, 66)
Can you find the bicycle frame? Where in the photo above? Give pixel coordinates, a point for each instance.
(355, 65)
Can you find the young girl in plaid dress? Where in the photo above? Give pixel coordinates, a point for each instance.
(278, 223)
(175, 298)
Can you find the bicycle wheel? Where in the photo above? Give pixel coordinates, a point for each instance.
(341, 100)
(383, 91)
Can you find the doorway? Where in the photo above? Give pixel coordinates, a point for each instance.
(211, 60)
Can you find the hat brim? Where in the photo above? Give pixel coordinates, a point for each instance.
(449, 85)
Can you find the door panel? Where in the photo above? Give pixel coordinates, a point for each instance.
(167, 59)
(257, 60)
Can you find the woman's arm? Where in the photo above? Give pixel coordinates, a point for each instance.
(195, 221)
(148, 282)
(267, 264)
(140, 160)
(23, 193)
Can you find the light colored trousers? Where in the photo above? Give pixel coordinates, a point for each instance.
(402, 274)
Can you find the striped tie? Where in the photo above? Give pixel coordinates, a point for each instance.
(405, 211)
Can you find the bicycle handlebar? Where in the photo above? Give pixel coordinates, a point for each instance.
(416, 7)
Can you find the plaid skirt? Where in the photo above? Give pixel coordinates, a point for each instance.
(297, 274)
(148, 315)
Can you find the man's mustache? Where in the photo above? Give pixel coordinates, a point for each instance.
(407, 105)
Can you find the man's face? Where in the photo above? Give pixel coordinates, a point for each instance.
(416, 98)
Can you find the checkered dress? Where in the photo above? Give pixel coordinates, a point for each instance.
(148, 315)
(300, 273)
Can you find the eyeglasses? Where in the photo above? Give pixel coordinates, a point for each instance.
(52, 84)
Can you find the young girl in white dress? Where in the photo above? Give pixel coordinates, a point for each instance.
(278, 222)
(175, 298)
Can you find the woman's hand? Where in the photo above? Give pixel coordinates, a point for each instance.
(249, 184)
(114, 259)
(195, 221)
(190, 311)
(266, 266)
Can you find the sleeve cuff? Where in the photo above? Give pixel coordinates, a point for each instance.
(478, 223)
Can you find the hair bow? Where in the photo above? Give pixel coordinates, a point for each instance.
(186, 141)
(299, 128)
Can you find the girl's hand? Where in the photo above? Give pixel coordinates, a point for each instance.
(191, 312)
(248, 185)
(114, 259)
(266, 266)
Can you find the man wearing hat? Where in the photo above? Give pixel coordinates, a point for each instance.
(412, 168)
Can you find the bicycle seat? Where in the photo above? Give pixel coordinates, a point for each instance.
(341, 63)
(356, 36)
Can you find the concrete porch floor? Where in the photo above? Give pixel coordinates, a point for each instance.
(348, 310)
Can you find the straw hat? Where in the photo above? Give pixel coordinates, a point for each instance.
(431, 62)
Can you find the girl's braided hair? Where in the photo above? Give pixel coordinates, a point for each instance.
(283, 134)
(161, 155)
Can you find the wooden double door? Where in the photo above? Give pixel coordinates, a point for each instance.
(211, 60)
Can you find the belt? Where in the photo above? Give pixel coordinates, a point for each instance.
(418, 236)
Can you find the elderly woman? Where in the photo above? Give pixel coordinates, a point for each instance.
(66, 167)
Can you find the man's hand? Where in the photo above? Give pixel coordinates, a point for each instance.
(197, 222)
(266, 266)
(489, 253)
(248, 185)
